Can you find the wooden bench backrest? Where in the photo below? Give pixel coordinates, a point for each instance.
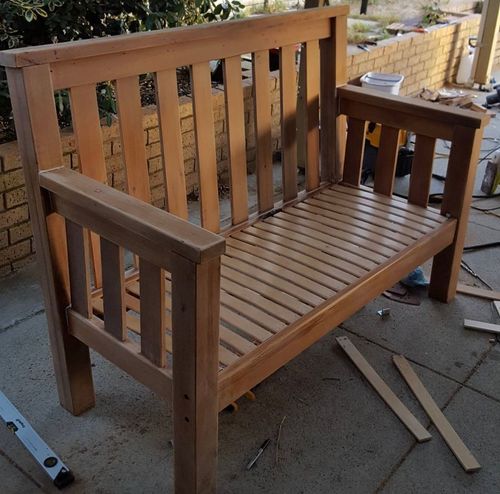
(79, 66)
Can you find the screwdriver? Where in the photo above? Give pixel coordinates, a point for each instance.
(252, 462)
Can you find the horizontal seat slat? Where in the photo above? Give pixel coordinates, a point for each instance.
(342, 224)
(251, 297)
(267, 291)
(253, 313)
(272, 280)
(346, 270)
(227, 336)
(312, 262)
(394, 201)
(290, 270)
(364, 218)
(314, 222)
(390, 222)
(384, 208)
(362, 257)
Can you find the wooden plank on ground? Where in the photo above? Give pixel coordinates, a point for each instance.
(478, 292)
(464, 456)
(482, 326)
(394, 403)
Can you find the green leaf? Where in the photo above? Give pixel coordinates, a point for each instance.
(29, 15)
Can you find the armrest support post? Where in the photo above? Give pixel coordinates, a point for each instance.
(457, 198)
(195, 323)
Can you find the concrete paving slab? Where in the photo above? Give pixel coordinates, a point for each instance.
(487, 377)
(431, 334)
(431, 467)
(20, 296)
(15, 481)
(331, 438)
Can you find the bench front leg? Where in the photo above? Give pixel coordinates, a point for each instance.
(457, 198)
(195, 323)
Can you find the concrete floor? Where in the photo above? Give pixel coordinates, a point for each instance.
(338, 435)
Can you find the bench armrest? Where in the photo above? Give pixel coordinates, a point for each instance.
(144, 229)
(402, 112)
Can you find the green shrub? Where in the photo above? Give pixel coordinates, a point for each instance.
(35, 22)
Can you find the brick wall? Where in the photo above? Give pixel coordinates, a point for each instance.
(429, 59)
(425, 59)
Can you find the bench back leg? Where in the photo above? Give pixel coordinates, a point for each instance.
(457, 198)
(31, 88)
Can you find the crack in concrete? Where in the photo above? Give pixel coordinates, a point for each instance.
(460, 386)
(16, 322)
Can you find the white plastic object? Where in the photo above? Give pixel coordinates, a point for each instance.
(464, 73)
(388, 83)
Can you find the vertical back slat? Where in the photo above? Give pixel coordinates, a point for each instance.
(167, 102)
(328, 106)
(205, 145)
(355, 147)
(113, 288)
(132, 137)
(387, 156)
(421, 170)
(87, 130)
(152, 290)
(339, 33)
(235, 124)
(79, 266)
(263, 144)
(312, 114)
(288, 93)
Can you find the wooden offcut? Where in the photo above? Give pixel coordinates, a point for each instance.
(386, 393)
(463, 455)
(478, 292)
(207, 313)
(482, 326)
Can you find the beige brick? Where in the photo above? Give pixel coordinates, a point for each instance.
(110, 131)
(153, 150)
(4, 239)
(15, 197)
(185, 106)
(114, 163)
(13, 216)
(20, 232)
(153, 135)
(5, 270)
(15, 252)
(116, 144)
(156, 179)
(219, 127)
(23, 262)
(187, 124)
(149, 117)
(366, 66)
(158, 197)
(189, 165)
(11, 180)
(155, 164)
(9, 156)
(107, 148)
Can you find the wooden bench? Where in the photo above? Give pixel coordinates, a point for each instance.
(233, 306)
